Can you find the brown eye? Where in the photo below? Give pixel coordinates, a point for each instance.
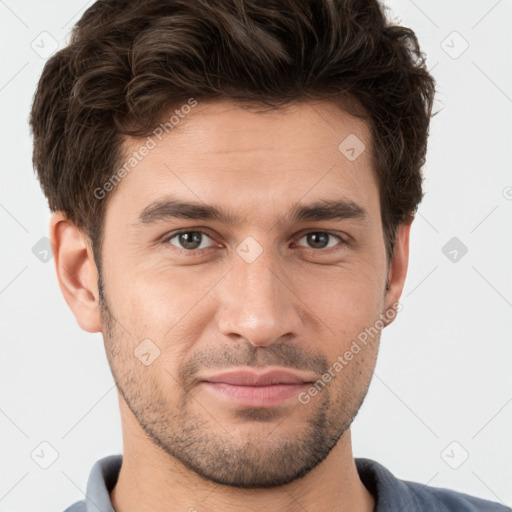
(320, 239)
(189, 240)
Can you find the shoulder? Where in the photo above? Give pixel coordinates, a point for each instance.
(447, 500)
(393, 494)
(79, 506)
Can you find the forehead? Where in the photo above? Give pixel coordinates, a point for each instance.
(254, 162)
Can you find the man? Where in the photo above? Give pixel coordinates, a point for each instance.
(233, 186)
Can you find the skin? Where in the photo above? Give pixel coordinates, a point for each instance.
(297, 305)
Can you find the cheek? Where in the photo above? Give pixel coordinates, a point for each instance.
(347, 304)
(169, 309)
(156, 293)
(355, 281)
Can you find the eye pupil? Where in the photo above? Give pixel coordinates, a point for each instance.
(190, 239)
(318, 240)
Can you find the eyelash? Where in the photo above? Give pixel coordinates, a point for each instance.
(195, 252)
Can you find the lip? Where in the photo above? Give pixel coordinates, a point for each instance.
(252, 378)
(256, 389)
(254, 396)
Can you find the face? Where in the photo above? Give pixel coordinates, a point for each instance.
(271, 281)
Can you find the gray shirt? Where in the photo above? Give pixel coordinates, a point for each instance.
(391, 494)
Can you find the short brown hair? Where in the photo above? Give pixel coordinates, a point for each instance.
(131, 61)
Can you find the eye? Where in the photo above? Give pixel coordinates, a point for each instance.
(189, 240)
(195, 241)
(320, 239)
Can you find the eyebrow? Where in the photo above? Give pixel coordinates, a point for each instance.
(326, 209)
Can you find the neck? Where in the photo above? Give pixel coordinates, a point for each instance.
(150, 479)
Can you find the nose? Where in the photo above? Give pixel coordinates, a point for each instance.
(258, 302)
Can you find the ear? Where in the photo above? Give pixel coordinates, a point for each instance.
(398, 268)
(76, 271)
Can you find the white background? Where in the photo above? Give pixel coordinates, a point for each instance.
(444, 368)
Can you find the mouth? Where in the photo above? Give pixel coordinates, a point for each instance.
(250, 389)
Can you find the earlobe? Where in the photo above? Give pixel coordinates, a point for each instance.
(398, 268)
(76, 271)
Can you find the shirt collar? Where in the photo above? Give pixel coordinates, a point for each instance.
(390, 494)
(102, 479)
